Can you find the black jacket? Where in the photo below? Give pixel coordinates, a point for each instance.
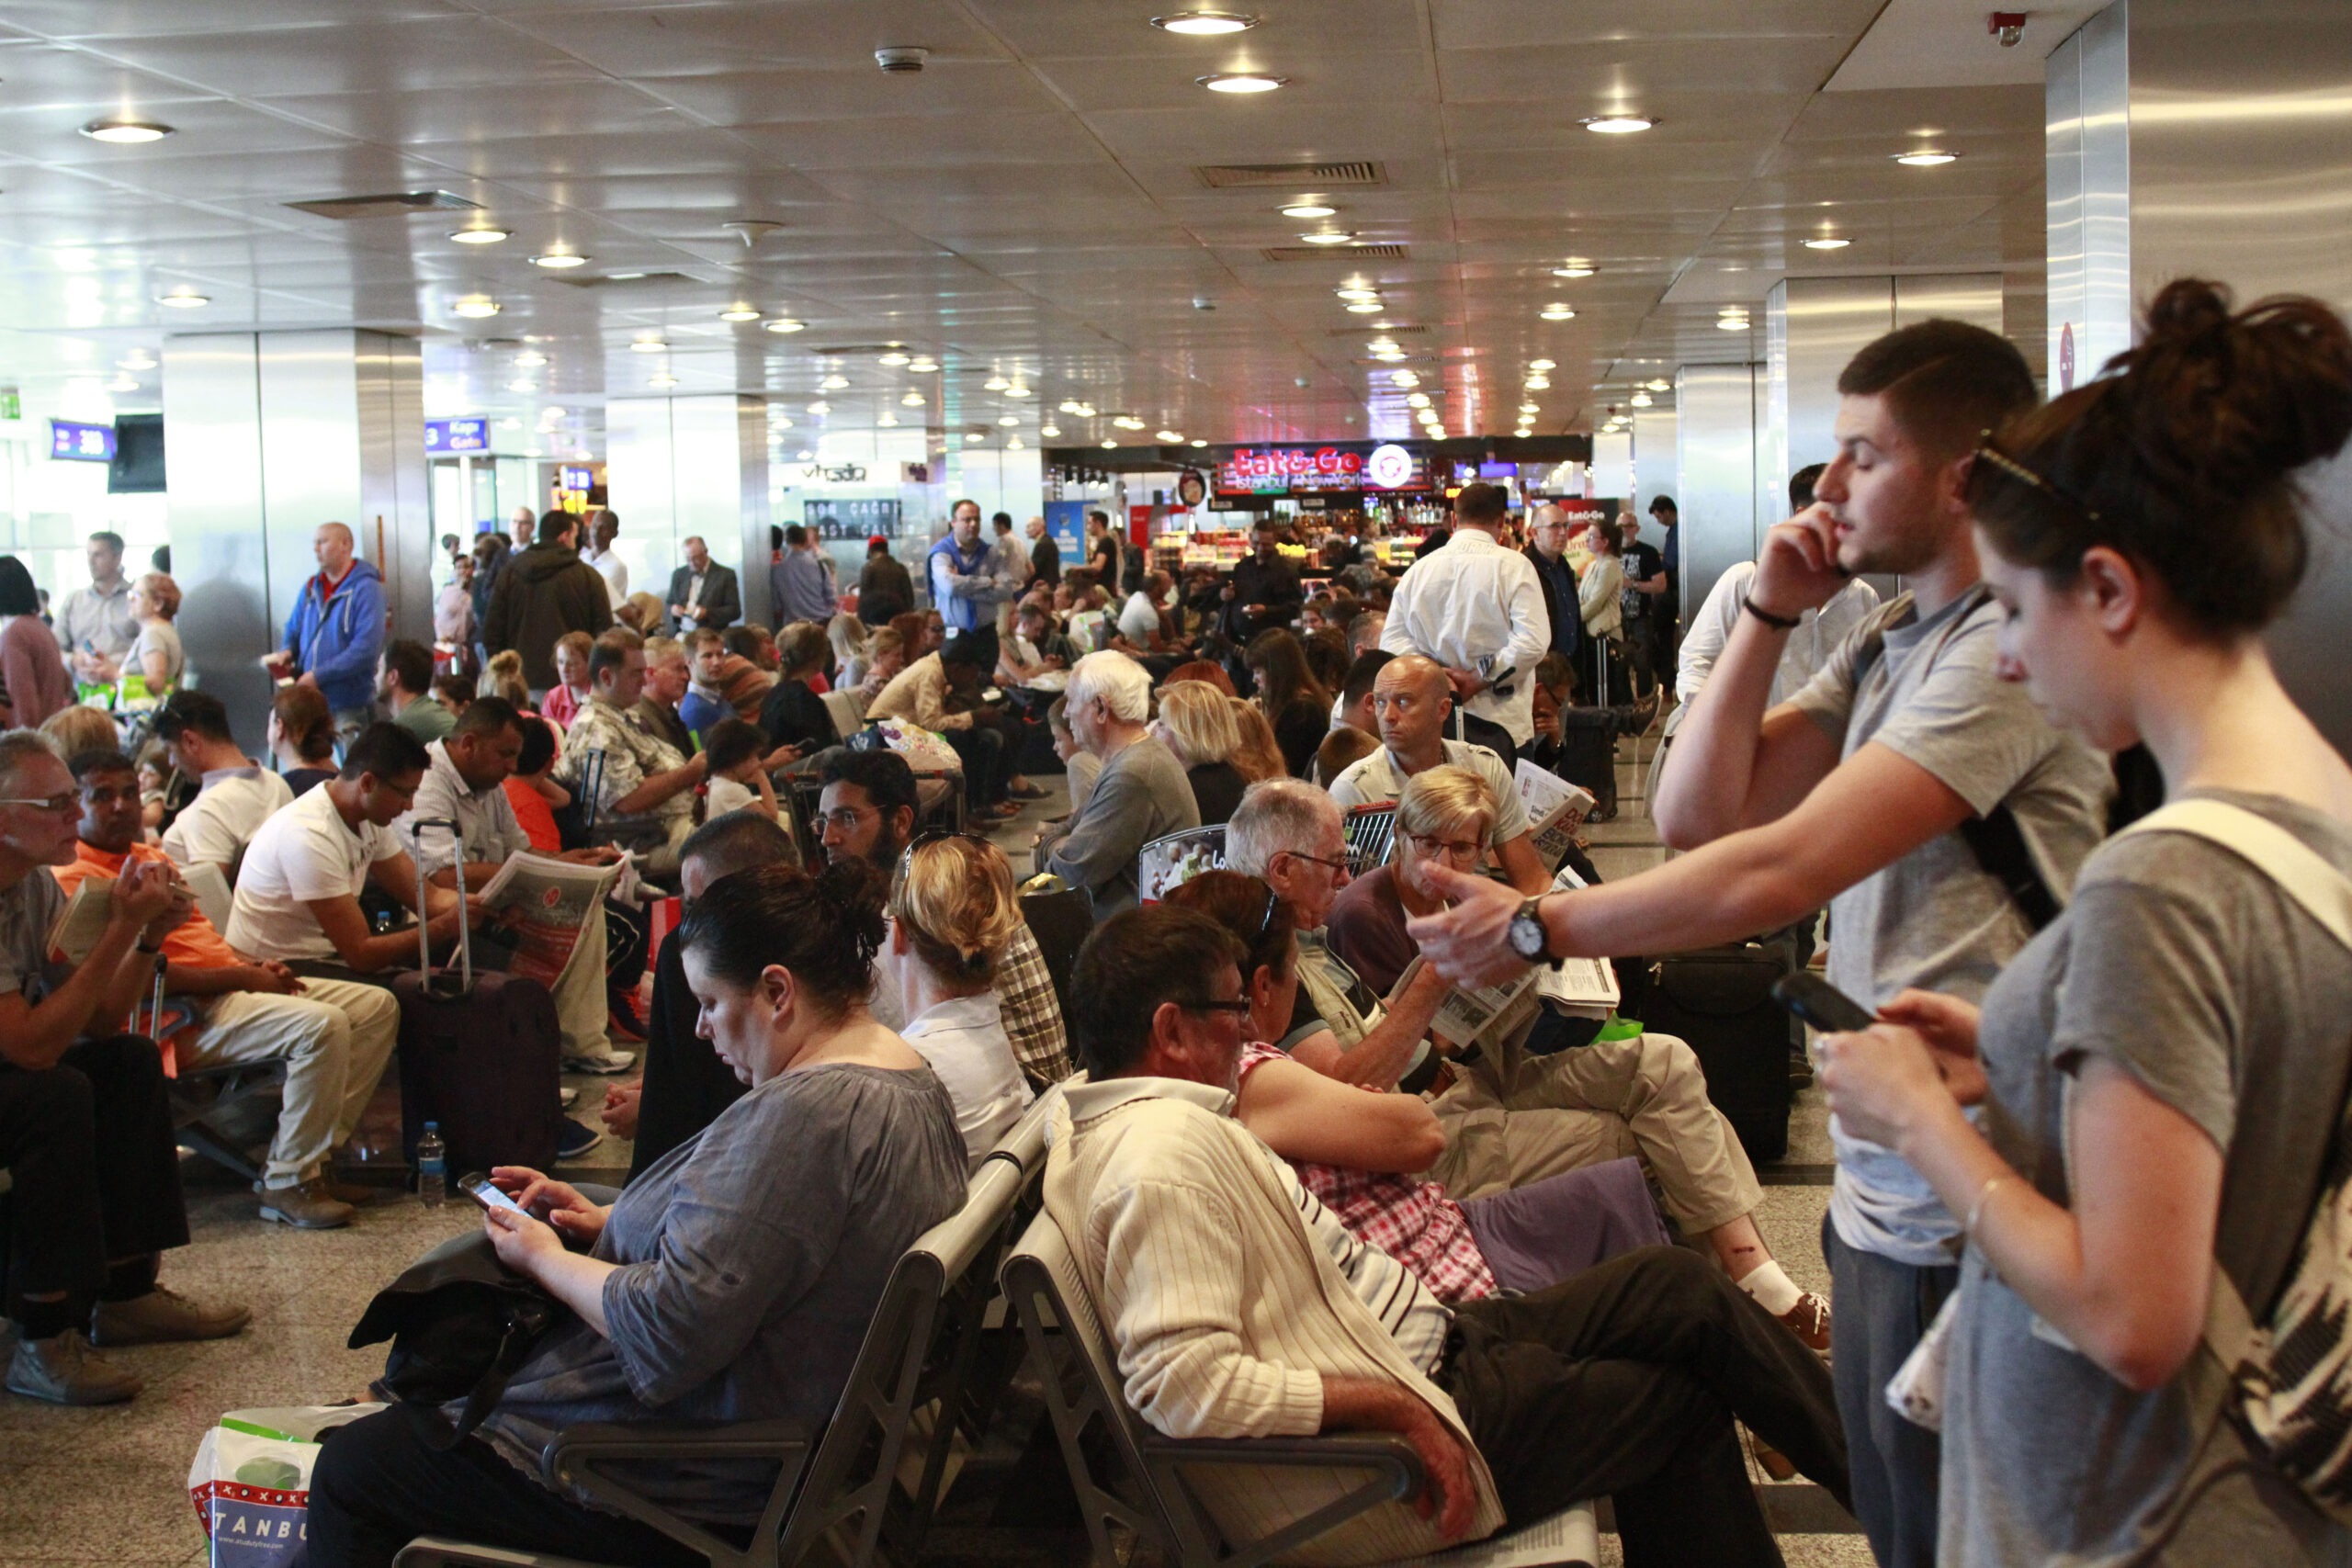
(1046, 558)
(1559, 601)
(883, 589)
(721, 602)
(545, 592)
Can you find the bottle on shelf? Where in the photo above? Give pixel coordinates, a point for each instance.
(432, 1167)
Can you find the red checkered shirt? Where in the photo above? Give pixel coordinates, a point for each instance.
(1413, 1222)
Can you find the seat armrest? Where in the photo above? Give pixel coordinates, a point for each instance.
(1392, 1468)
(569, 1466)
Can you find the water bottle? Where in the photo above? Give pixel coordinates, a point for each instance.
(432, 1167)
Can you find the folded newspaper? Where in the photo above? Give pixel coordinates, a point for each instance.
(552, 899)
(1581, 987)
(1555, 808)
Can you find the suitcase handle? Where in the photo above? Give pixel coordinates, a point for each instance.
(437, 985)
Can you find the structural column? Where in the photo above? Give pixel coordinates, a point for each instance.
(268, 435)
(680, 467)
(1719, 415)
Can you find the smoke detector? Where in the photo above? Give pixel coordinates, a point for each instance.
(896, 61)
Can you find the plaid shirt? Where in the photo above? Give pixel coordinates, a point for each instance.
(1033, 1018)
(1413, 1222)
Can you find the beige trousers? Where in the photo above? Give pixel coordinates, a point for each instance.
(334, 1039)
(1524, 1118)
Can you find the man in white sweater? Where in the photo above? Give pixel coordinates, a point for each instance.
(1239, 1307)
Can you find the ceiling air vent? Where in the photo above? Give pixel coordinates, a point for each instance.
(866, 350)
(1326, 252)
(397, 204)
(1375, 331)
(620, 280)
(1219, 177)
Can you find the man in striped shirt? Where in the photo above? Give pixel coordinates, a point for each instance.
(1239, 1307)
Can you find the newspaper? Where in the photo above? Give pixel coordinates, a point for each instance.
(1580, 988)
(1555, 809)
(1484, 1015)
(1174, 859)
(83, 922)
(552, 899)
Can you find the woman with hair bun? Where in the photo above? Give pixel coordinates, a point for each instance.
(732, 1282)
(2163, 1068)
(953, 910)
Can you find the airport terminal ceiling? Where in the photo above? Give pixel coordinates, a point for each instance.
(1057, 221)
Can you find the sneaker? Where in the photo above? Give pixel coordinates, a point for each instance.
(1809, 1320)
(575, 1138)
(611, 1062)
(567, 1097)
(162, 1314)
(307, 1206)
(63, 1371)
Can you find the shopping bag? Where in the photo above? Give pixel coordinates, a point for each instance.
(251, 1481)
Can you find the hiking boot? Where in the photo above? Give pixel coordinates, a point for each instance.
(1809, 1320)
(63, 1371)
(162, 1314)
(307, 1206)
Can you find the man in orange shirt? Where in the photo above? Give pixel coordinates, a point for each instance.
(334, 1037)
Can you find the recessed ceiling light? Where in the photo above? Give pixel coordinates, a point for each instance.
(738, 313)
(995, 384)
(522, 386)
(1403, 379)
(1436, 433)
(530, 359)
(554, 415)
(1111, 446)
(1541, 364)
(1327, 237)
(894, 358)
(1418, 400)
(1200, 441)
(1126, 421)
(779, 422)
(1018, 391)
(1366, 308)
(1086, 411)
(976, 436)
(1732, 323)
(510, 422)
(784, 324)
(1168, 436)
(1539, 383)
(912, 400)
(1009, 419)
(1358, 295)
(123, 383)
(803, 455)
(663, 381)
(138, 360)
(1204, 22)
(184, 300)
(888, 420)
(1643, 399)
(1241, 82)
(1067, 405)
(560, 261)
(1826, 243)
(1014, 444)
(922, 365)
(1050, 432)
(648, 345)
(1660, 385)
(1617, 124)
(1530, 407)
(478, 236)
(834, 383)
(475, 306)
(1926, 159)
(1309, 209)
(820, 407)
(125, 130)
(1732, 311)
(1389, 356)
(1575, 266)
(623, 277)
(1557, 313)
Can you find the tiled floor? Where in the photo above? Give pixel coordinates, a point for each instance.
(107, 1487)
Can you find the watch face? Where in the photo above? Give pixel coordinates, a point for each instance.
(1527, 937)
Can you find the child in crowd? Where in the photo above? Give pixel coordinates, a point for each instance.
(885, 655)
(534, 795)
(503, 677)
(570, 694)
(738, 780)
(455, 692)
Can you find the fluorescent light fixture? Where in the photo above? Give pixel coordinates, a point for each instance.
(995, 384)
(623, 277)
(1014, 444)
(894, 359)
(1643, 399)
(834, 383)
(888, 421)
(1539, 383)
(1530, 407)
(1086, 411)
(1660, 385)
(560, 261)
(912, 400)
(522, 386)
(648, 345)
(1169, 437)
(1205, 23)
(1926, 159)
(1619, 124)
(662, 380)
(1557, 313)
(1390, 356)
(1575, 266)
(475, 305)
(126, 131)
(1067, 405)
(1200, 441)
(123, 383)
(1111, 446)
(1241, 82)
(1366, 308)
(530, 359)
(820, 407)
(1358, 295)
(1418, 400)
(1826, 243)
(738, 313)
(478, 236)
(976, 436)
(923, 365)
(1732, 323)
(1541, 364)
(1050, 432)
(1009, 419)
(1126, 421)
(784, 324)
(1309, 209)
(1327, 237)
(1018, 391)
(1403, 379)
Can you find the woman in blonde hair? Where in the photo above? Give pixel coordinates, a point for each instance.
(847, 636)
(1196, 723)
(953, 910)
(503, 677)
(156, 657)
(1259, 755)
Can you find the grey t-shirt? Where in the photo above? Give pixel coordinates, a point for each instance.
(2187, 968)
(1933, 919)
(28, 912)
(752, 1257)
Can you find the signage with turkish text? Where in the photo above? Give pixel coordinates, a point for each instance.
(457, 436)
(1291, 470)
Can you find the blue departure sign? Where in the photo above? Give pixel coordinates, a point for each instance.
(81, 443)
(456, 436)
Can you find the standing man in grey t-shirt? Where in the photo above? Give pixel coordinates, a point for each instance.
(1853, 794)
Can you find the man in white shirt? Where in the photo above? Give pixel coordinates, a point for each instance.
(1476, 608)
(297, 897)
(236, 794)
(1410, 701)
(604, 526)
(464, 783)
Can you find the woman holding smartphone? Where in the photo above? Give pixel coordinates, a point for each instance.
(2162, 1069)
(732, 1282)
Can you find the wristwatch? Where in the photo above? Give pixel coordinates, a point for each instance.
(1528, 937)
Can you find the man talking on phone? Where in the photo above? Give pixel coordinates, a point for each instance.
(1854, 793)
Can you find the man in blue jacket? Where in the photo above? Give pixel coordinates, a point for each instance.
(336, 631)
(964, 589)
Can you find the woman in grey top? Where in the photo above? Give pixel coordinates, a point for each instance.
(733, 1282)
(2163, 1068)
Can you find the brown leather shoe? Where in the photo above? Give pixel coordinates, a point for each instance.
(1809, 1320)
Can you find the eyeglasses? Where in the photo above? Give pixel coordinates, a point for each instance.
(845, 818)
(1452, 849)
(1991, 453)
(1319, 860)
(1266, 920)
(71, 801)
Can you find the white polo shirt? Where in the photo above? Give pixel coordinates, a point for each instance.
(304, 853)
(1377, 780)
(228, 810)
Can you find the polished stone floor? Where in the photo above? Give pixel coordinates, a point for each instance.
(107, 1487)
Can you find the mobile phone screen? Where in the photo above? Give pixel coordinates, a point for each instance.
(477, 1187)
(1821, 1004)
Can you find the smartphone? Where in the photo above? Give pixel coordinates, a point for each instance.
(1821, 1004)
(477, 1186)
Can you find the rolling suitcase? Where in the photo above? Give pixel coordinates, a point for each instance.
(1589, 755)
(1719, 1000)
(479, 1054)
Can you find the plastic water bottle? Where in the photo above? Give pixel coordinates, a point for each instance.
(432, 1167)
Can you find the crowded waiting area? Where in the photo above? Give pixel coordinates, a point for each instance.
(1374, 784)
